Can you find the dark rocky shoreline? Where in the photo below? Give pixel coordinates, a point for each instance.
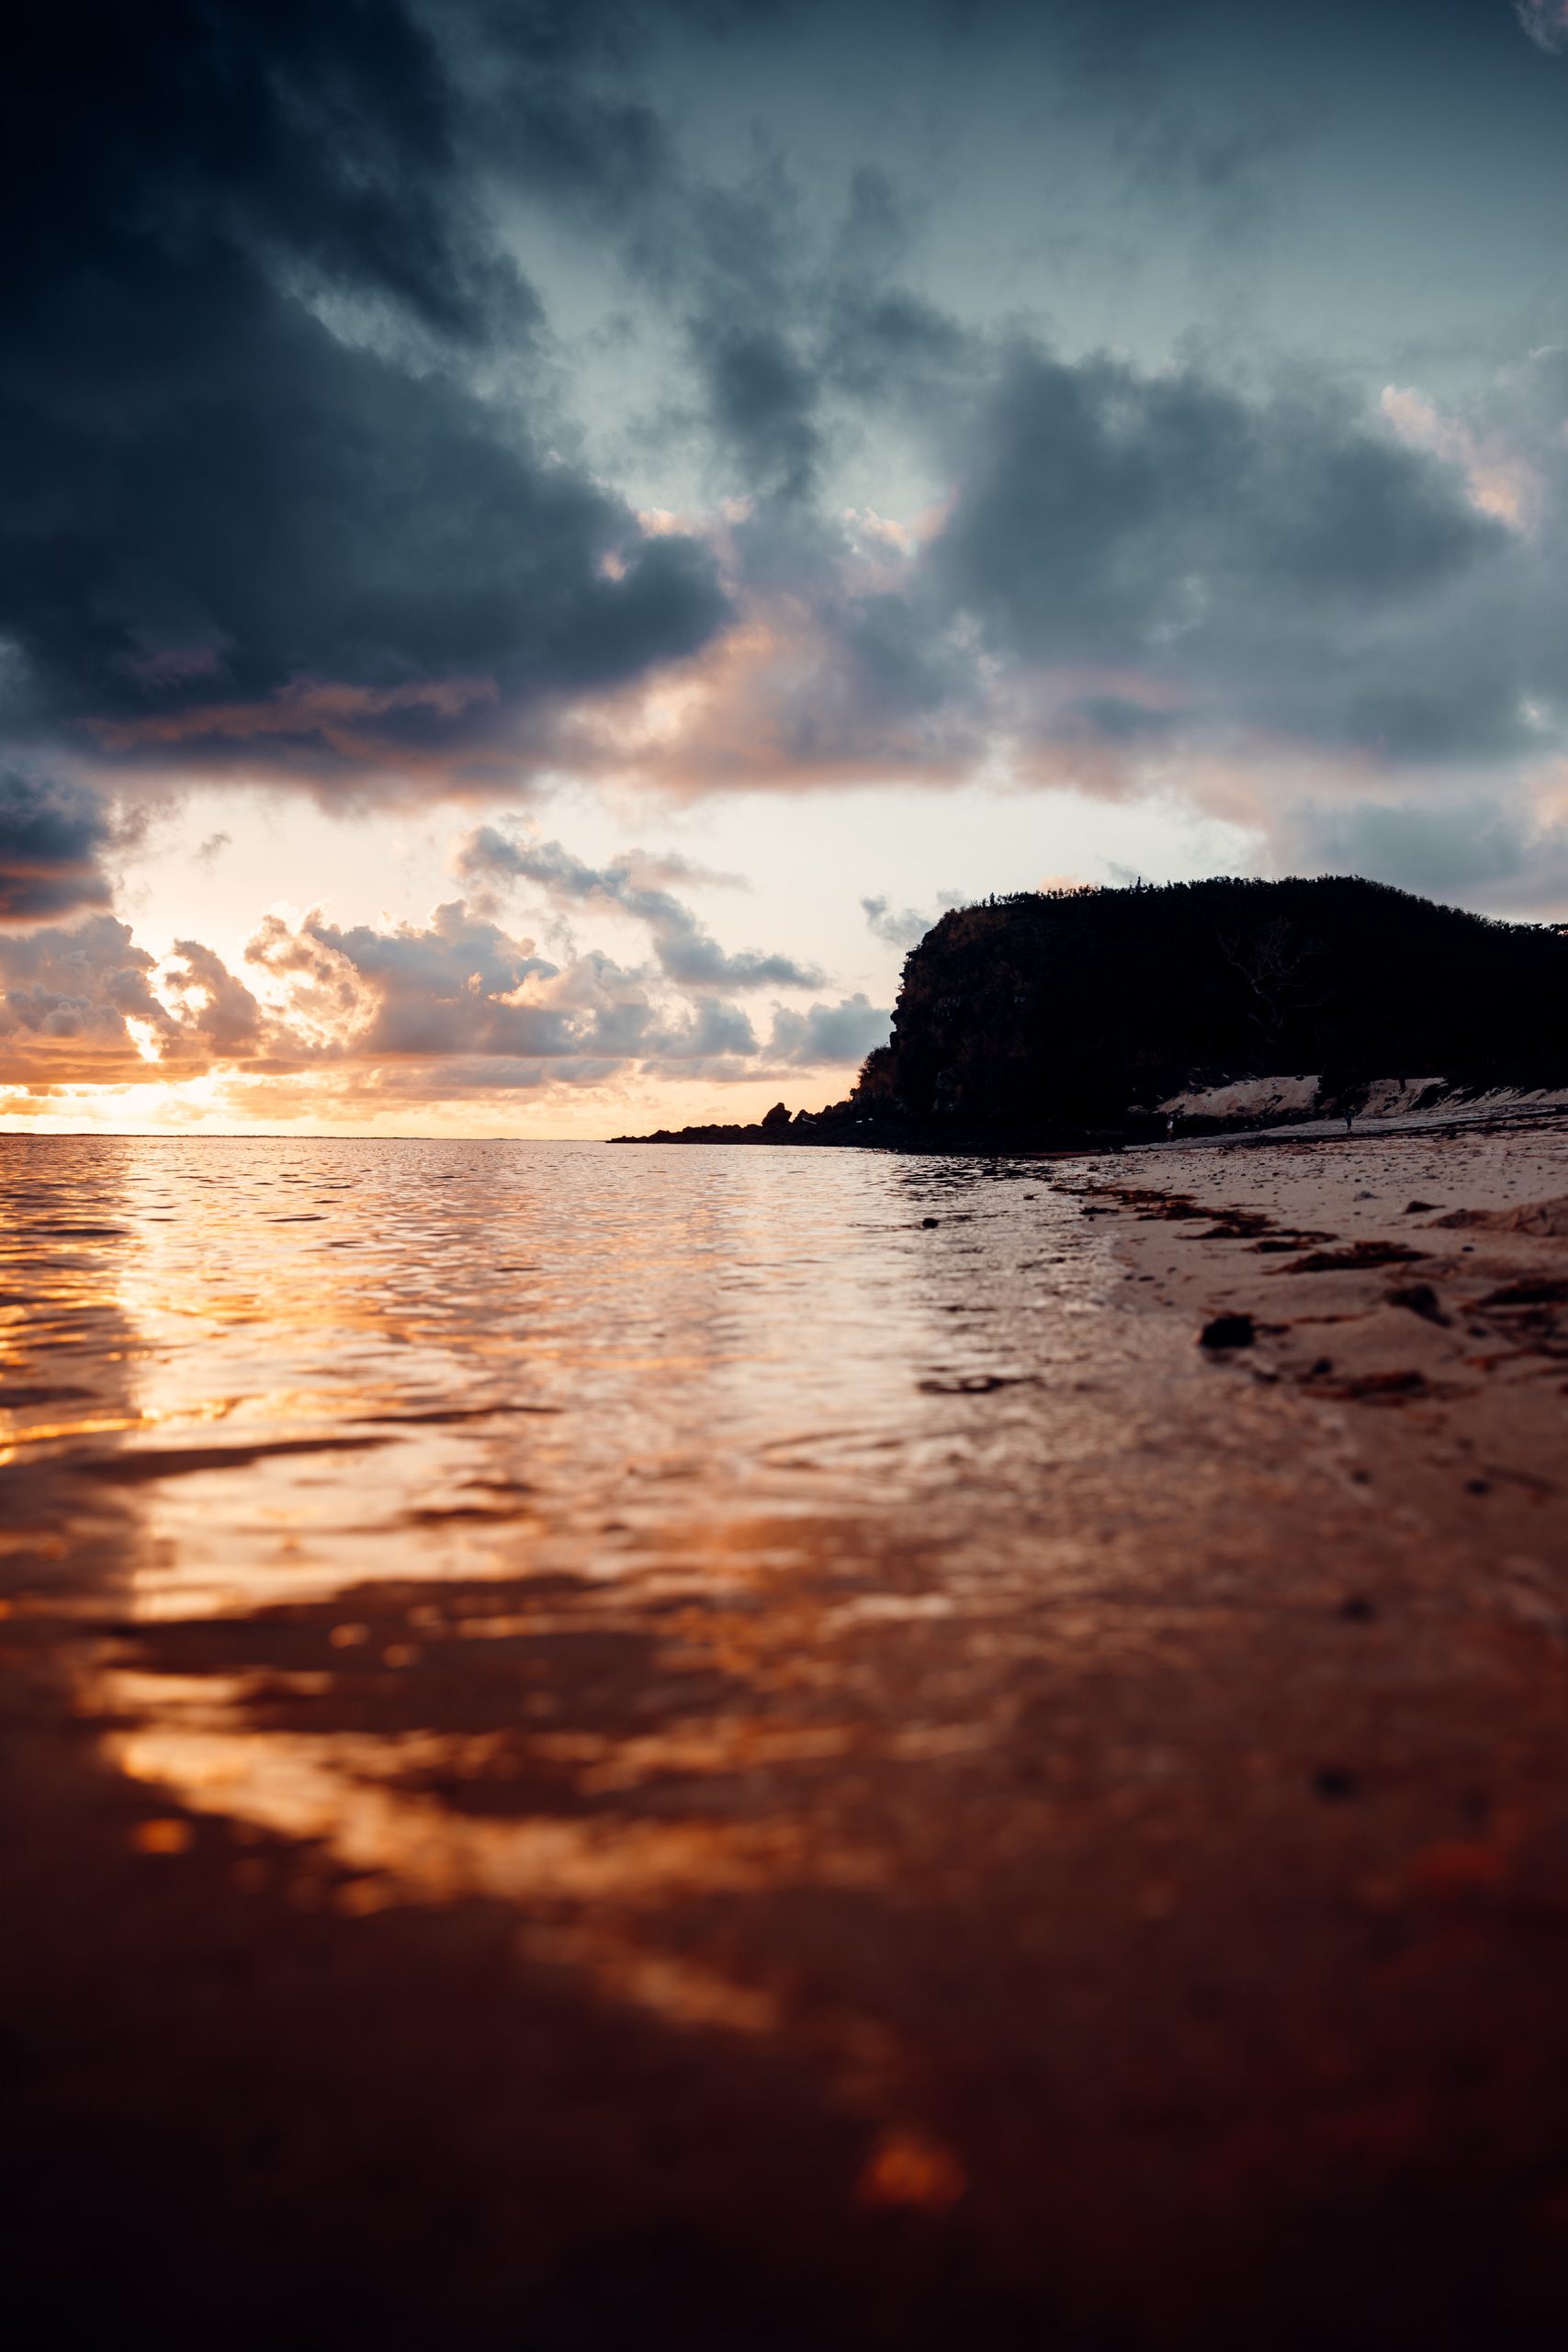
(847, 1126)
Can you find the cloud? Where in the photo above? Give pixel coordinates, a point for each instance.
(1498, 480)
(902, 928)
(213, 1005)
(281, 484)
(458, 985)
(1272, 565)
(845, 1032)
(67, 998)
(1500, 855)
(448, 1010)
(1546, 22)
(1115, 565)
(1128, 569)
(290, 487)
(460, 990)
(53, 837)
(686, 954)
(713, 1032)
(762, 401)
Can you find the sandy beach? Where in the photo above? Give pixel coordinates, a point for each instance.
(1410, 1289)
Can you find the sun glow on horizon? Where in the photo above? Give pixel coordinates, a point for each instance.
(219, 1106)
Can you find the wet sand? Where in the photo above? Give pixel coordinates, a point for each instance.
(1422, 1278)
(1099, 1879)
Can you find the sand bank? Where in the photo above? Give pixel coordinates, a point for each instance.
(1411, 1290)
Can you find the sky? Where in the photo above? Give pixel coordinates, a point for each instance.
(542, 542)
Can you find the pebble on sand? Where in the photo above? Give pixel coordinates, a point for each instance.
(1228, 1331)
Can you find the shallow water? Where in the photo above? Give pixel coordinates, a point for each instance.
(631, 1719)
(551, 1520)
(327, 1361)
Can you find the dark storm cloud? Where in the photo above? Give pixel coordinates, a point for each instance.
(247, 288)
(53, 837)
(1127, 564)
(1095, 496)
(1249, 554)
(1216, 560)
(284, 487)
(763, 401)
(686, 954)
(1498, 855)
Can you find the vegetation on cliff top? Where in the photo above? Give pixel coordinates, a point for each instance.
(1075, 1005)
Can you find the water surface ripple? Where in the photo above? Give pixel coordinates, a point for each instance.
(804, 1595)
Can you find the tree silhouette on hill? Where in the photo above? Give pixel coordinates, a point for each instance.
(1066, 1007)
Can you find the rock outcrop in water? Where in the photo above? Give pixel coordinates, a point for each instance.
(1065, 1014)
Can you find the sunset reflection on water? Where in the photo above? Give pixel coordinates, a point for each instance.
(760, 1696)
(315, 1363)
(649, 1541)
(564, 1525)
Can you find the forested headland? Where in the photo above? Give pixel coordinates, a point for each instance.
(1058, 1013)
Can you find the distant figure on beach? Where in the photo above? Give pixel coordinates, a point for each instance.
(1349, 1116)
(1170, 1122)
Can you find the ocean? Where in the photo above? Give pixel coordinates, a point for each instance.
(752, 1740)
(288, 1367)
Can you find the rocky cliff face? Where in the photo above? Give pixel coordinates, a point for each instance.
(1066, 1009)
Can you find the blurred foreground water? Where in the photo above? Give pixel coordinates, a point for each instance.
(624, 1460)
(797, 1610)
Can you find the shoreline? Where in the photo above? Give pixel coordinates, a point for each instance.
(1481, 1116)
(1399, 1287)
